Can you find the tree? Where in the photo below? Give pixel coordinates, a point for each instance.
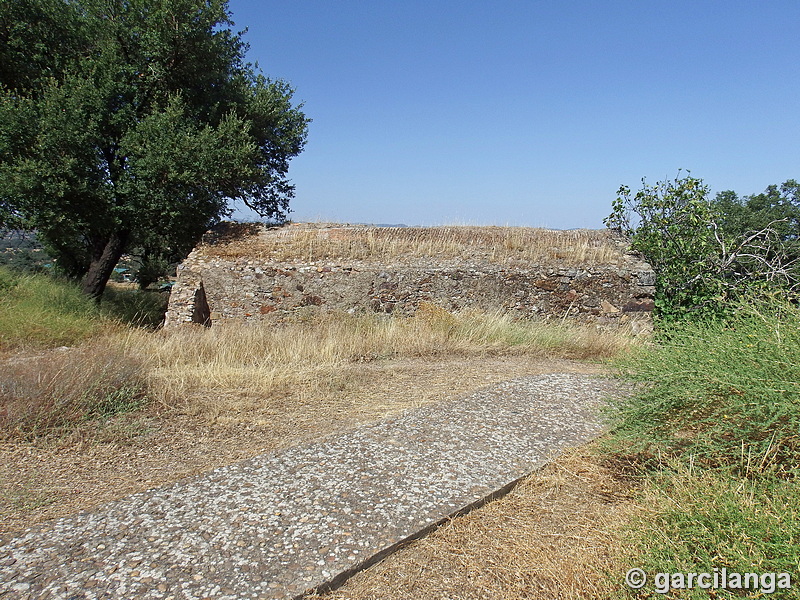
(701, 260)
(135, 123)
(777, 208)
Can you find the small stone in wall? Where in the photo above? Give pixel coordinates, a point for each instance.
(646, 278)
(546, 284)
(607, 307)
(639, 305)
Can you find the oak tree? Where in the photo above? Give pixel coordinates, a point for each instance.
(135, 123)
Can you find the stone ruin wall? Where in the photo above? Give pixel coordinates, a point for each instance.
(214, 290)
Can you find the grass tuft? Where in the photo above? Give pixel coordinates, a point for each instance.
(52, 394)
(40, 311)
(697, 521)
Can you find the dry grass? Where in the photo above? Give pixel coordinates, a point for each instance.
(310, 243)
(53, 393)
(234, 367)
(230, 393)
(554, 536)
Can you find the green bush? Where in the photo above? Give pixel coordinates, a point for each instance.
(723, 394)
(702, 263)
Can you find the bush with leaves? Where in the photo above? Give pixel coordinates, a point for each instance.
(700, 264)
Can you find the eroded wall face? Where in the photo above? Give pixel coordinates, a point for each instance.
(246, 289)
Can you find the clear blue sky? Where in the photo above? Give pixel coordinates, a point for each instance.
(528, 113)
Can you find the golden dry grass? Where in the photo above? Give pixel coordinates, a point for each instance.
(234, 367)
(308, 242)
(554, 536)
(54, 392)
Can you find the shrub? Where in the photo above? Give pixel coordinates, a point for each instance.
(700, 266)
(723, 394)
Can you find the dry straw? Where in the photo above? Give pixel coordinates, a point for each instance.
(311, 243)
(230, 367)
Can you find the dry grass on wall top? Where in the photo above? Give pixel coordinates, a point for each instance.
(311, 243)
(192, 368)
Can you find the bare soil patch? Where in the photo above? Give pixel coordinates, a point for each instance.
(136, 452)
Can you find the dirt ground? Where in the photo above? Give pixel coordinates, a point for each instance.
(47, 480)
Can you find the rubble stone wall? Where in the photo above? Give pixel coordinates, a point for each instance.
(243, 288)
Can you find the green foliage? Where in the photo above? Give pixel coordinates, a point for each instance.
(777, 208)
(700, 521)
(713, 427)
(135, 124)
(152, 268)
(722, 394)
(702, 251)
(140, 308)
(669, 224)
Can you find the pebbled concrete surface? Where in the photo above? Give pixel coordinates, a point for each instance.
(283, 523)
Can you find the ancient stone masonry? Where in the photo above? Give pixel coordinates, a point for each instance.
(250, 273)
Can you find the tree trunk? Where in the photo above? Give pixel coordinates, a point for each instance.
(102, 265)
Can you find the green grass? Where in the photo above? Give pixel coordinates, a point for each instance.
(725, 394)
(47, 392)
(140, 308)
(42, 311)
(713, 431)
(705, 520)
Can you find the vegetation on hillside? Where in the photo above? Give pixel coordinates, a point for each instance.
(225, 369)
(64, 367)
(713, 429)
